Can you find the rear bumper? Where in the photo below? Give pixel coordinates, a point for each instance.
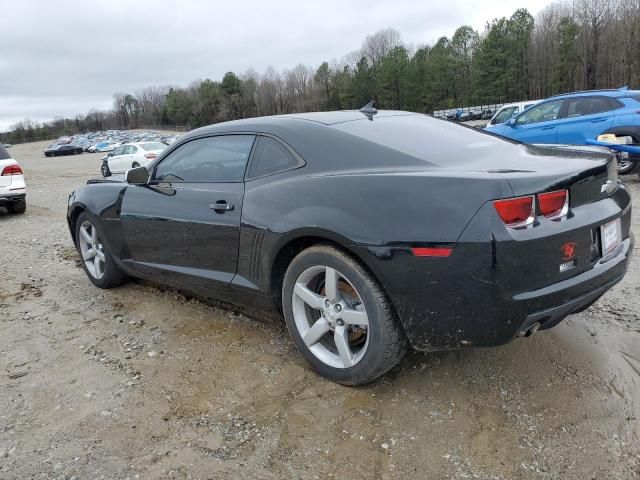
(10, 199)
(577, 293)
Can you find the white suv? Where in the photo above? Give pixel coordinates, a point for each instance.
(13, 190)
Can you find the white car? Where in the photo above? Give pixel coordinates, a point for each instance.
(508, 111)
(13, 190)
(130, 155)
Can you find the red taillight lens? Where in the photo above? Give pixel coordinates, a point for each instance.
(554, 204)
(150, 156)
(12, 170)
(431, 252)
(516, 212)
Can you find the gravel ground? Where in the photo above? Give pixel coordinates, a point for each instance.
(143, 382)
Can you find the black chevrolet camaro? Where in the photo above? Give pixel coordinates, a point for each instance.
(369, 232)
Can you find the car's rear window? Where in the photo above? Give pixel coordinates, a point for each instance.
(152, 146)
(421, 136)
(4, 155)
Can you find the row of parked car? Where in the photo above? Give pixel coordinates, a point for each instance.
(469, 115)
(104, 141)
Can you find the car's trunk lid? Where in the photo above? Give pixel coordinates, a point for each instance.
(589, 174)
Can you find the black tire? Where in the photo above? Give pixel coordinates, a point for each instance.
(112, 276)
(387, 342)
(104, 170)
(19, 207)
(135, 165)
(628, 167)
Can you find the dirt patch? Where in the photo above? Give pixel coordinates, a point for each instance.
(146, 381)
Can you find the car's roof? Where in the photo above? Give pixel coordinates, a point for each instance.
(518, 104)
(616, 93)
(322, 118)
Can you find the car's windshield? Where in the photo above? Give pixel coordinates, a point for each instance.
(504, 115)
(152, 146)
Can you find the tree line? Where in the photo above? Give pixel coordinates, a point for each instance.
(571, 45)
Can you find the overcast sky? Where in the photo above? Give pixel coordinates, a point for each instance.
(63, 57)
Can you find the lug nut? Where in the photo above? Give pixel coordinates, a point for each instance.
(327, 303)
(338, 307)
(340, 322)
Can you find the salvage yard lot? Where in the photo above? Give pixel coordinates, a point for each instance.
(144, 381)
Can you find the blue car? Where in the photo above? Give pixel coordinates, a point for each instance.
(574, 118)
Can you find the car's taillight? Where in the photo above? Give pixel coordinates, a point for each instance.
(12, 170)
(150, 156)
(554, 204)
(516, 212)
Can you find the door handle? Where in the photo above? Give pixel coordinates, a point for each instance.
(221, 206)
(551, 127)
(598, 120)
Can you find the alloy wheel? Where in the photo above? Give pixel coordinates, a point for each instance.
(92, 250)
(330, 316)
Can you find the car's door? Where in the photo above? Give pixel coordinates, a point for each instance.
(116, 161)
(127, 157)
(132, 155)
(185, 224)
(537, 124)
(586, 117)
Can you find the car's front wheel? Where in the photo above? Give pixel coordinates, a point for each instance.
(339, 317)
(96, 259)
(104, 170)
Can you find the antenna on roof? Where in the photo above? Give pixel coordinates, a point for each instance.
(369, 110)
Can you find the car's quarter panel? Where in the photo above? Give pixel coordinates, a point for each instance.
(173, 230)
(416, 208)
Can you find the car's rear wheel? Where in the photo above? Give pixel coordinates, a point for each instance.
(340, 318)
(135, 165)
(104, 170)
(96, 259)
(19, 207)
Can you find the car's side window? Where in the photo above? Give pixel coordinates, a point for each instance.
(118, 151)
(129, 149)
(270, 156)
(544, 112)
(212, 159)
(578, 107)
(504, 115)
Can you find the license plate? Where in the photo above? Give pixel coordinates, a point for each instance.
(611, 234)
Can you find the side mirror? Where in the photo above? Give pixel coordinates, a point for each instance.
(137, 176)
(110, 154)
(511, 122)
